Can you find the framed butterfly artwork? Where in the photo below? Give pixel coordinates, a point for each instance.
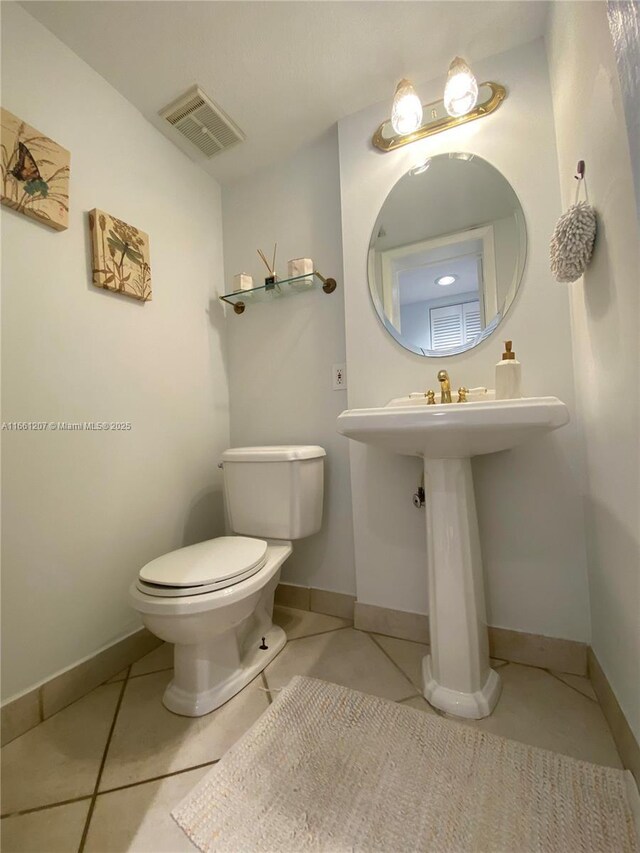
(121, 260)
(35, 173)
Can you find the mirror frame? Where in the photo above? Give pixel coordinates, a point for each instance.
(518, 277)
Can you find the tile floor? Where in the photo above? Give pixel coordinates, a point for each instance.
(103, 774)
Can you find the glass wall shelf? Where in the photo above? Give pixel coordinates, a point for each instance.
(266, 292)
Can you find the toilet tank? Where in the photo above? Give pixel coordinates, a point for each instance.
(274, 492)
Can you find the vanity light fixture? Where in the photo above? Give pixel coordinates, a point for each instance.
(406, 111)
(461, 90)
(444, 280)
(437, 117)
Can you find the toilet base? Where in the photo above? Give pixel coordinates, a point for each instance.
(195, 703)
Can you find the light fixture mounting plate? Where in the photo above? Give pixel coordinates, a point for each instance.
(436, 119)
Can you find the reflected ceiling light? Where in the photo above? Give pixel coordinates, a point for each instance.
(444, 280)
(406, 112)
(461, 91)
(421, 167)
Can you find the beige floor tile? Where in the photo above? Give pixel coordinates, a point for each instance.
(55, 830)
(579, 683)
(119, 676)
(408, 656)
(139, 818)
(157, 660)
(347, 657)
(405, 654)
(59, 759)
(538, 709)
(150, 741)
(69, 686)
(419, 703)
(301, 623)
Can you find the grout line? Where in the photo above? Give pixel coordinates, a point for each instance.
(266, 686)
(46, 806)
(110, 790)
(333, 615)
(157, 778)
(570, 686)
(408, 698)
(391, 637)
(317, 633)
(536, 666)
(85, 831)
(401, 671)
(503, 661)
(152, 672)
(140, 674)
(69, 704)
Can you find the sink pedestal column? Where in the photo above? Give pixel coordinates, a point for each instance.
(456, 675)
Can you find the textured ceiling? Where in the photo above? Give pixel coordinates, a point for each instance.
(284, 71)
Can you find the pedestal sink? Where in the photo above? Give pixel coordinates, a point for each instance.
(456, 674)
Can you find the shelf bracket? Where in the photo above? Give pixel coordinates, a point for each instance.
(328, 284)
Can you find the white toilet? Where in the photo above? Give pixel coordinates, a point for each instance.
(214, 600)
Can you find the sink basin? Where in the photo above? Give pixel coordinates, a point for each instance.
(457, 677)
(407, 425)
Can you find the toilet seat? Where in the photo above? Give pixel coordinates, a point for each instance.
(202, 568)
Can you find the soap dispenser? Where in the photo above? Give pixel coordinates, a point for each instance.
(508, 375)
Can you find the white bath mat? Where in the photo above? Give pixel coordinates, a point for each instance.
(329, 769)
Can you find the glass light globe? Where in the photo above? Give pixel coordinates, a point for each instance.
(445, 280)
(461, 91)
(406, 112)
(421, 168)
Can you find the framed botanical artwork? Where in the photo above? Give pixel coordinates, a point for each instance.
(120, 256)
(35, 173)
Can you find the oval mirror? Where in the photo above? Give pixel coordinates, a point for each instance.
(447, 254)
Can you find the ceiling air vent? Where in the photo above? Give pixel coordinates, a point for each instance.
(202, 122)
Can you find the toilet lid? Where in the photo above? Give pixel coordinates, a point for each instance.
(212, 562)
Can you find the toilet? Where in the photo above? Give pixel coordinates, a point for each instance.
(214, 600)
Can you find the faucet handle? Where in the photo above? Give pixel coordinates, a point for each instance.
(462, 394)
(431, 398)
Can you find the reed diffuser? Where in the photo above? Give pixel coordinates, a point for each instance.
(272, 278)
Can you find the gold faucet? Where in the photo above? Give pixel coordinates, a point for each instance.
(445, 386)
